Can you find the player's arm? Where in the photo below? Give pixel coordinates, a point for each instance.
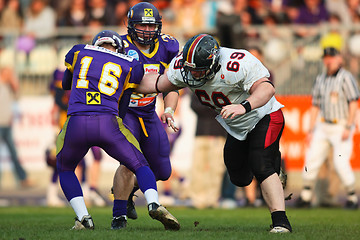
(153, 82)
(67, 80)
(260, 93)
(170, 104)
(70, 59)
(59, 95)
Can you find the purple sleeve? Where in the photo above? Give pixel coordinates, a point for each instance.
(67, 80)
(137, 73)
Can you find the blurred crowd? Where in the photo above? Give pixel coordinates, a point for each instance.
(40, 18)
(284, 29)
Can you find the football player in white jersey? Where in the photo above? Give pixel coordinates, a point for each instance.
(235, 84)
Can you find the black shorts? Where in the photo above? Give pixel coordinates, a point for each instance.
(258, 155)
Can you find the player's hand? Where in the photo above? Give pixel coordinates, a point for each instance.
(169, 120)
(232, 110)
(346, 134)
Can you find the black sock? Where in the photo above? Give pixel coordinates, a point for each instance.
(279, 219)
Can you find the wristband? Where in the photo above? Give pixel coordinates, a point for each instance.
(170, 111)
(246, 105)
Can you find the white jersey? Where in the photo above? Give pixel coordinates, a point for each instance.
(231, 84)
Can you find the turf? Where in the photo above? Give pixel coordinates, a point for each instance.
(27, 223)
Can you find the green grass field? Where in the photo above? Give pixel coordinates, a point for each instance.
(27, 223)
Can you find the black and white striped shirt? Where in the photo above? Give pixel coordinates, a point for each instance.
(332, 94)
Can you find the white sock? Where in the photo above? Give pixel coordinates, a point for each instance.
(78, 204)
(151, 195)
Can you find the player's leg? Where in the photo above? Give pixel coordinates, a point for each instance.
(342, 154)
(314, 158)
(265, 160)
(94, 175)
(155, 146)
(123, 186)
(71, 148)
(120, 144)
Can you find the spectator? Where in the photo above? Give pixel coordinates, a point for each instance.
(11, 17)
(233, 21)
(76, 14)
(313, 12)
(102, 12)
(121, 10)
(339, 8)
(40, 21)
(354, 10)
(9, 88)
(189, 19)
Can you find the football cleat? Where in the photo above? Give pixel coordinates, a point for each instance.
(118, 223)
(283, 177)
(279, 229)
(160, 213)
(300, 203)
(351, 205)
(130, 208)
(85, 223)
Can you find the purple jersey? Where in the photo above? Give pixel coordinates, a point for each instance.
(165, 49)
(98, 86)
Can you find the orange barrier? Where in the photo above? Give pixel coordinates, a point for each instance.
(293, 142)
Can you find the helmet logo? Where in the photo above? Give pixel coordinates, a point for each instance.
(148, 12)
(210, 56)
(192, 65)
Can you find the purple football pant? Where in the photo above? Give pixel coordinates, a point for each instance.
(80, 133)
(154, 142)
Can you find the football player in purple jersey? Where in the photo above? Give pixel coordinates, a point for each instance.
(145, 43)
(236, 85)
(101, 79)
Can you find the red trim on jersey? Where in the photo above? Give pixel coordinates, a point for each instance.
(275, 126)
(192, 47)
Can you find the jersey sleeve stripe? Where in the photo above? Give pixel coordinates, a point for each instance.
(70, 66)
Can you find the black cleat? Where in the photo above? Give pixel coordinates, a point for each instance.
(118, 223)
(300, 203)
(85, 223)
(351, 205)
(160, 213)
(130, 208)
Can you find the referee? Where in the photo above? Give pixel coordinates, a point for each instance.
(334, 103)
